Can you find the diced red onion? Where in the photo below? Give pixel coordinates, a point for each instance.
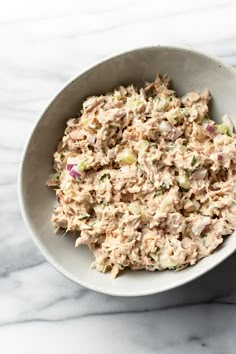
(210, 128)
(220, 157)
(69, 166)
(74, 174)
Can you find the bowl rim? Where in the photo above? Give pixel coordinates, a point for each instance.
(50, 259)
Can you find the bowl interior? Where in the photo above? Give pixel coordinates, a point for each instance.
(189, 71)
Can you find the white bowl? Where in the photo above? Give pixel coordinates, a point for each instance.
(189, 70)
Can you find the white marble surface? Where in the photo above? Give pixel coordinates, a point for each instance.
(43, 45)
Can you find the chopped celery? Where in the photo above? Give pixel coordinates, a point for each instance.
(142, 145)
(222, 128)
(127, 157)
(82, 166)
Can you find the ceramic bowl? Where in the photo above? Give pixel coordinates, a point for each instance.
(189, 70)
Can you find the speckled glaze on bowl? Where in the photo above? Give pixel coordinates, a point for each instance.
(189, 70)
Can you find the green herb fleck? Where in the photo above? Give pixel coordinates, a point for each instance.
(234, 202)
(172, 145)
(151, 182)
(121, 265)
(194, 161)
(62, 156)
(121, 215)
(186, 114)
(203, 235)
(104, 203)
(197, 167)
(105, 101)
(56, 176)
(103, 176)
(175, 267)
(150, 266)
(171, 98)
(176, 119)
(187, 172)
(160, 190)
(154, 144)
(97, 235)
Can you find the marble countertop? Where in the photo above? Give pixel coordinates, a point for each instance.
(43, 45)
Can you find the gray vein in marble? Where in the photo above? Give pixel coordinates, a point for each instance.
(104, 313)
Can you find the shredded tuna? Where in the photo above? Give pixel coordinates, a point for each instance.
(146, 179)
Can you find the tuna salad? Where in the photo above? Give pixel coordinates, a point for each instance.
(146, 179)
